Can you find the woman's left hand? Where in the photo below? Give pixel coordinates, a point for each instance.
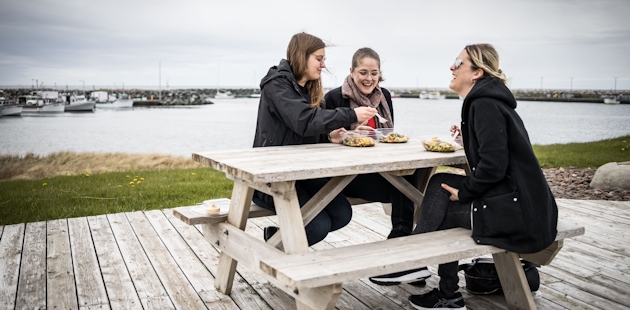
(454, 192)
(335, 135)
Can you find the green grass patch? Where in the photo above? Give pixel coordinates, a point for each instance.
(84, 195)
(584, 155)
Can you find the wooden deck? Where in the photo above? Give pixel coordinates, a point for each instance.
(152, 260)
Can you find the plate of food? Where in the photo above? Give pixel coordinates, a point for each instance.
(389, 135)
(440, 144)
(359, 138)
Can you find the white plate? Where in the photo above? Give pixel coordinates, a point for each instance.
(222, 203)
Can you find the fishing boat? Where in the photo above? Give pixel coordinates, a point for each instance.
(436, 95)
(45, 102)
(611, 101)
(8, 108)
(78, 103)
(113, 101)
(424, 95)
(224, 94)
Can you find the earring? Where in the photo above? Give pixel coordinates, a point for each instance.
(473, 81)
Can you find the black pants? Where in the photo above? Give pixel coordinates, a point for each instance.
(438, 212)
(335, 215)
(373, 187)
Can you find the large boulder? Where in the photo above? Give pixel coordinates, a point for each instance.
(612, 176)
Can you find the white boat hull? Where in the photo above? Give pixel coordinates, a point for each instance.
(611, 101)
(80, 107)
(117, 104)
(11, 110)
(48, 108)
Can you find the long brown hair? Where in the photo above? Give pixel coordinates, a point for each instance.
(486, 58)
(300, 48)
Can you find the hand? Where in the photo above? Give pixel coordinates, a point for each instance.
(335, 135)
(365, 113)
(454, 192)
(455, 131)
(360, 126)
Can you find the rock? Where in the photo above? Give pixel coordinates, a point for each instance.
(612, 176)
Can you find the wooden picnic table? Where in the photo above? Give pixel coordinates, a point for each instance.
(274, 170)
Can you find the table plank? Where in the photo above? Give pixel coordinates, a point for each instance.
(272, 164)
(31, 292)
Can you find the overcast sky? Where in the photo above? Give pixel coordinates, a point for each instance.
(233, 43)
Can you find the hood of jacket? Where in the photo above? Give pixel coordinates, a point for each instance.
(282, 70)
(488, 87)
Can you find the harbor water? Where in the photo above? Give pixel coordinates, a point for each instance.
(230, 124)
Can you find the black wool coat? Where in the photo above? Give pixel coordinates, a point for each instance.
(512, 205)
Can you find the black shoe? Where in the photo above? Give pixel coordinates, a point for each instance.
(408, 276)
(436, 300)
(269, 231)
(400, 231)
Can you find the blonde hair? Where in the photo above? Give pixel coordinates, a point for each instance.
(486, 58)
(300, 48)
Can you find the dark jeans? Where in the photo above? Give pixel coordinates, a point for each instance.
(438, 212)
(373, 187)
(335, 215)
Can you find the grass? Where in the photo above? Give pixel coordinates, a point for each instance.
(584, 155)
(65, 185)
(111, 192)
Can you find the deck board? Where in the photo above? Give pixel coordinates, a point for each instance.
(152, 260)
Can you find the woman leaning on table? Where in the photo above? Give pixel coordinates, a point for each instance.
(289, 113)
(361, 89)
(506, 196)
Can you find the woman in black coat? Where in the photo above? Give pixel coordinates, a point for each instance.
(289, 113)
(506, 200)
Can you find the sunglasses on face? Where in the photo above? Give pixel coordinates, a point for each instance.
(458, 62)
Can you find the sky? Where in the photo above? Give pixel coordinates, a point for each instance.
(548, 44)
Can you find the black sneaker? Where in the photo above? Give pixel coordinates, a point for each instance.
(400, 231)
(269, 231)
(436, 300)
(408, 276)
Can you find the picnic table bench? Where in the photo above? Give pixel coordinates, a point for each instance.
(315, 279)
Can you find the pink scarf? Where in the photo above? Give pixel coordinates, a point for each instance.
(375, 100)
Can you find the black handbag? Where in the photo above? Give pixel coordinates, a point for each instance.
(482, 278)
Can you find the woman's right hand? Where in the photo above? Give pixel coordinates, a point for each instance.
(364, 113)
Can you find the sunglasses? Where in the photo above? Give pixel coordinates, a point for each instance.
(458, 62)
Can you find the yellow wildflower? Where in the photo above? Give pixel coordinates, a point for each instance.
(141, 179)
(131, 183)
(87, 174)
(44, 184)
(194, 173)
(119, 186)
(127, 177)
(139, 182)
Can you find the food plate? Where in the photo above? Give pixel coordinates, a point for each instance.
(359, 138)
(222, 203)
(389, 135)
(440, 144)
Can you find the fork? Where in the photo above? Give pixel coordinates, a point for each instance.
(381, 119)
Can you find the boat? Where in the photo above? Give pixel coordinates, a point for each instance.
(113, 101)
(8, 108)
(611, 101)
(78, 103)
(224, 94)
(436, 95)
(254, 96)
(424, 95)
(45, 102)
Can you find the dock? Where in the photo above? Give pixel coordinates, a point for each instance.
(151, 260)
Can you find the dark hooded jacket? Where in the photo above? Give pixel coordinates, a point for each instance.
(285, 116)
(513, 207)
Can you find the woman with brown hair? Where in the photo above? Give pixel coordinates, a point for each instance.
(289, 113)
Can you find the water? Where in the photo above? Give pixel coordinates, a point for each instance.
(230, 124)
